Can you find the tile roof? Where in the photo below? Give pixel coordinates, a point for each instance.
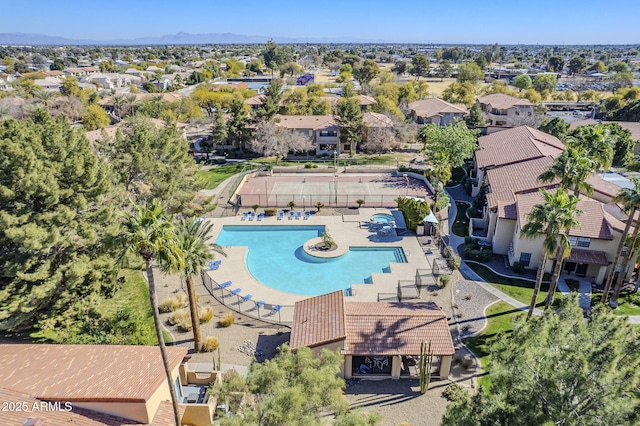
(514, 145)
(313, 122)
(366, 100)
(507, 210)
(392, 328)
(588, 256)
(579, 123)
(434, 106)
(255, 100)
(593, 223)
(374, 119)
(602, 186)
(517, 178)
(318, 320)
(502, 101)
(102, 373)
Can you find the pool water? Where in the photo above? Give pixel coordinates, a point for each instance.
(382, 218)
(276, 259)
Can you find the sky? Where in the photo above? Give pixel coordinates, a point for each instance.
(461, 21)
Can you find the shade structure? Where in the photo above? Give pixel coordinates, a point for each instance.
(431, 218)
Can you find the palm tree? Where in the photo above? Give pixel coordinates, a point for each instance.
(596, 142)
(192, 239)
(442, 169)
(549, 219)
(572, 167)
(149, 234)
(629, 198)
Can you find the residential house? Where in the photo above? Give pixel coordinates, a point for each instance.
(103, 384)
(81, 72)
(436, 111)
(504, 110)
(136, 72)
(322, 129)
(364, 101)
(109, 81)
(49, 84)
(376, 339)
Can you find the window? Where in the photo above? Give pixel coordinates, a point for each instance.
(580, 241)
(328, 133)
(177, 387)
(525, 259)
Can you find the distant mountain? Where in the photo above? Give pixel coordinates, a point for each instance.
(20, 39)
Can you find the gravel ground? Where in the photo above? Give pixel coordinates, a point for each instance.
(471, 301)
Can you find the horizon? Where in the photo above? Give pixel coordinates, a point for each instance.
(374, 23)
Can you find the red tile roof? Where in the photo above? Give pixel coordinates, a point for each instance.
(593, 223)
(374, 119)
(588, 256)
(517, 178)
(515, 145)
(318, 320)
(101, 373)
(379, 328)
(433, 106)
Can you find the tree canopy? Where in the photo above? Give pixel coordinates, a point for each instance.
(454, 139)
(559, 369)
(56, 218)
(469, 71)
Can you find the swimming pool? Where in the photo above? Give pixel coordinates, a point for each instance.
(276, 259)
(382, 218)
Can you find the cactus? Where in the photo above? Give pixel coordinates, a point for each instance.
(426, 362)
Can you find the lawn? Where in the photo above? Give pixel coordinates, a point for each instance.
(626, 305)
(210, 179)
(499, 317)
(519, 289)
(461, 225)
(126, 317)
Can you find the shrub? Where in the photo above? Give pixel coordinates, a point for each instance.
(443, 201)
(470, 240)
(518, 267)
(210, 344)
(227, 320)
(471, 253)
(454, 262)
(634, 298)
(291, 204)
(255, 207)
(174, 303)
(360, 203)
(467, 362)
(454, 392)
(318, 205)
(310, 166)
(444, 280)
(270, 212)
(205, 314)
(182, 319)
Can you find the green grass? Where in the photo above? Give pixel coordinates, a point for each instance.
(210, 179)
(499, 320)
(461, 225)
(519, 289)
(625, 304)
(458, 175)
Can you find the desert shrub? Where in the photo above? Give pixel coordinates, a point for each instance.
(181, 318)
(174, 303)
(470, 240)
(270, 212)
(227, 320)
(205, 314)
(470, 253)
(445, 279)
(443, 201)
(210, 344)
(310, 166)
(454, 262)
(467, 362)
(454, 392)
(518, 267)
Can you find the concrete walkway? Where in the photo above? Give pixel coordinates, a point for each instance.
(584, 291)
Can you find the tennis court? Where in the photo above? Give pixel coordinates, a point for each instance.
(340, 190)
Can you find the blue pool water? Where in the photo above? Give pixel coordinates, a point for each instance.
(276, 258)
(382, 218)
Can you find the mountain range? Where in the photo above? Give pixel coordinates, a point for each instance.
(22, 39)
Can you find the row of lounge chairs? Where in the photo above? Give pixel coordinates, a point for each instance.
(292, 215)
(252, 216)
(273, 309)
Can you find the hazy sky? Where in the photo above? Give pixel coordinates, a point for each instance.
(461, 21)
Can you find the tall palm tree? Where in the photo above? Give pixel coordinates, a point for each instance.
(193, 239)
(596, 142)
(149, 234)
(442, 168)
(629, 198)
(572, 167)
(557, 213)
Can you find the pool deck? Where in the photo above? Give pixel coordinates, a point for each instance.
(345, 230)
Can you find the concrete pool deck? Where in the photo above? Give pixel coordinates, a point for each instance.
(345, 233)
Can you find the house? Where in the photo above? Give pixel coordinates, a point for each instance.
(504, 110)
(512, 146)
(49, 84)
(110, 132)
(364, 101)
(79, 72)
(111, 81)
(103, 384)
(322, 129)
(436, 111)
(376, 339)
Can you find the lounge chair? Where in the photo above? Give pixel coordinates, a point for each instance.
(224, 284)
(246, 297)
(235, 291)
(307, 215)
(281, 215)
(292, 214)
(260, 216)
(276, 308)
(245, 215)
(212, 266)
(298, 214)
(252, 216)
(260, 304)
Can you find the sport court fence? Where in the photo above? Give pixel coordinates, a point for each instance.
(307, 201)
